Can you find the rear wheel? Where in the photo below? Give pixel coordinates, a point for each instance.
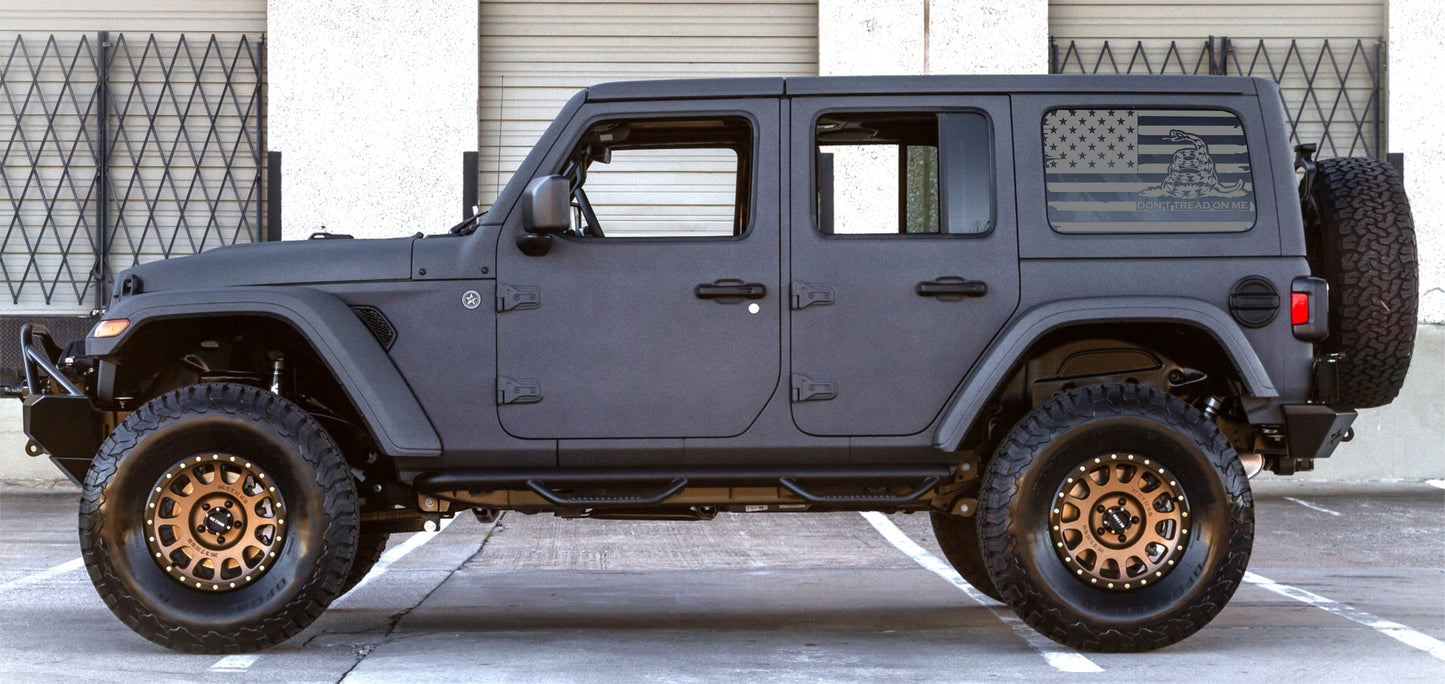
(1116, 518)
(958, 539)
(218, 518)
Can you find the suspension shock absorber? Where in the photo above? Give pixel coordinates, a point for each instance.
(1212, 407)
(278, 369)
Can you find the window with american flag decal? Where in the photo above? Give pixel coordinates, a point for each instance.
(1123, 170)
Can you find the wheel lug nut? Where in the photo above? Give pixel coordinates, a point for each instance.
(1121, 501)
(201, 529)
(222, 540)
(1099, 508)
(1121, 538)
(1134, 520)
(228, 504)
(1102, 531)
(237, 525)
(205, 507)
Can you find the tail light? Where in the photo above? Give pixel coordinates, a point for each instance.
(1309, 308)
(1299, 308)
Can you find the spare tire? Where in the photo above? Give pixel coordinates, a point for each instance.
(1361, 238)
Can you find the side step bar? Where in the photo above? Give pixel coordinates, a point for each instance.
(546, 483)
(657, 497)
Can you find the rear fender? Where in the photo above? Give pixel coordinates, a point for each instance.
(992, 370)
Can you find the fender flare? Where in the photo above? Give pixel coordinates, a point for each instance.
(367, 375)
(992, 369)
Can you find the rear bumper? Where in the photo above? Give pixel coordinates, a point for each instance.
(1315, 430)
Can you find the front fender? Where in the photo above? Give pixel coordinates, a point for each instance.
(340, 339)
(992, 370)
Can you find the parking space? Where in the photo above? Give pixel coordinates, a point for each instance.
(1347, 582)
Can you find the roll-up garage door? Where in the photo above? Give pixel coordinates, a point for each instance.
(1310, 47)
(535, 55)
(133, 132)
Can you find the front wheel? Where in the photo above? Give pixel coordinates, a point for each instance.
(1116, 518)
(218, 518)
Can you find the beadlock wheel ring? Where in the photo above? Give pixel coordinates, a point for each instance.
(215, 522)
(1119, 521)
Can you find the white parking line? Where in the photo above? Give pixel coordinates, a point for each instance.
(43, 575)
(1062, 658)
(395, 554)
(235, 663)
(1394, 630)
(1313, 507)
(1436, 483)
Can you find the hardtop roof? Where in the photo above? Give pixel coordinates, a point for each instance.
(713, 88)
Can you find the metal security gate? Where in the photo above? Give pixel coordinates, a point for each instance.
(120, 149)
(1331, 91)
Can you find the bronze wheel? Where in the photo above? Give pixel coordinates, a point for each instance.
(1119, 521)
(218, 518)
(215, 521)
(1115, 518)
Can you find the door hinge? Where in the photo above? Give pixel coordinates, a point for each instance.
(510, 297)
(807, 294)
(518, 390)
(810, 388)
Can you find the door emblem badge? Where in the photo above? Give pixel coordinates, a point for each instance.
(471, 299)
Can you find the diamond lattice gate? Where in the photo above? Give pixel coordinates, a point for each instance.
(119, 149)
(1331, 90)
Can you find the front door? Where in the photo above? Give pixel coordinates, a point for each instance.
(658, 314)
(904, 255)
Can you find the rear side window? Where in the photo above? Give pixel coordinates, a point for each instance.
(903, 173)
(1125, 170)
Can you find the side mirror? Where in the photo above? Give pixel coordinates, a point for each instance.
(546, 211)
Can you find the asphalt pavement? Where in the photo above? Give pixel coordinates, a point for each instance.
(1347, 583)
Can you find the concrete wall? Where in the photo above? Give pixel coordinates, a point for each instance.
(932, 37)
(1416, 65)
(372, 103)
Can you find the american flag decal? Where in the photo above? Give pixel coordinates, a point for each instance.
(1146, 171)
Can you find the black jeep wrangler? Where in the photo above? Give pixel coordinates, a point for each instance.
(1065, 316)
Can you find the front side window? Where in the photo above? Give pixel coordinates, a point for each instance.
(662, 178)
(1124, 170)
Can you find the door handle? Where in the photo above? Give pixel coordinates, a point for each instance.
(951, 287)
(740, 290)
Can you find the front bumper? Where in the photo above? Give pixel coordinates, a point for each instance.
(67, 428)
(59, 418)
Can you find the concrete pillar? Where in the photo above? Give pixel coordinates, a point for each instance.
(988, 37)
(933, 37)
(1416, 78)
(371, 103)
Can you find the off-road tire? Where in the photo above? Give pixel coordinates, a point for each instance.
(1075, 427)
(369, 547)
(1361, 239)
(304, 465)
(958, 539)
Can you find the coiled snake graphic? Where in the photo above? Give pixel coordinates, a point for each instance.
(1191, 173)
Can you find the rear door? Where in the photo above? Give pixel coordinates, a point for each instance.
(904, 257)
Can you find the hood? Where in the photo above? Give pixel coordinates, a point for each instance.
(297, 262)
